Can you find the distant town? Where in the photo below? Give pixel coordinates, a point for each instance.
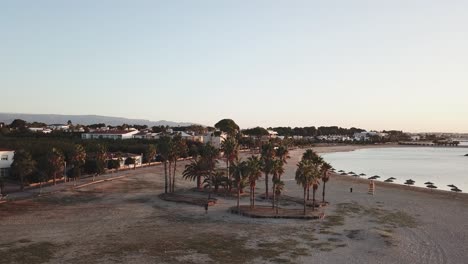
(104, 147)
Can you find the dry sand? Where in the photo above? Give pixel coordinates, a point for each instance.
(124, 221)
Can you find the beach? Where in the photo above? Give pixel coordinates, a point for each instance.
(124, 221)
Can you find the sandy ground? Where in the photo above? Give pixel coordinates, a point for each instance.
(124, 221)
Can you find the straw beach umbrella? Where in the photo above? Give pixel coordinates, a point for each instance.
(341, 171)
(452, 186)
(429, 183)
(388, 180)
(392, 178)
(362, 174)
(455, 189)
(431, 186)
(343, 174)
(409, 182)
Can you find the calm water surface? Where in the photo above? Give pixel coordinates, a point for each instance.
(442, 166)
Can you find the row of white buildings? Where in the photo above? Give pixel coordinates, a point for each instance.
(215, 138)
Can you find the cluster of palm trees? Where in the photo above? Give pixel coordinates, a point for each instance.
(310, 170)
(24, 165)
(239, 173)
(170, 149)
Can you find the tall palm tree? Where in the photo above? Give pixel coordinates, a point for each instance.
(282, 153)
(303, 177)
(325, 177)
(312, 156)
(23, 165)
(101, 157)
(267, 156)
(277, 170)
(315, 181)
(309, 154)
(209, 157)
(78, 158)
(255, 172)
(239, 171)
(179, 150)
(56, 163)
(279, 187)
(230, 150)
(164, 147)
(150, 153)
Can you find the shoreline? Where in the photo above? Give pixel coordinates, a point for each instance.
(436, 193)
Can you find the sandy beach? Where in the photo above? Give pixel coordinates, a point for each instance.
(124, 221)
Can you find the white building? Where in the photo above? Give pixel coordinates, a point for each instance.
(214, 139)
(272, 133)
(147, 135)
(363, 136)
(6, 159)
(123, 157)
(59, 127)
(110, 134)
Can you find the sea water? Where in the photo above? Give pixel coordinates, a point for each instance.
(442, 166)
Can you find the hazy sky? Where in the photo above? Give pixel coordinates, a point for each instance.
(371, 64)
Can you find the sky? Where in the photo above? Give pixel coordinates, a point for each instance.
(372, 64)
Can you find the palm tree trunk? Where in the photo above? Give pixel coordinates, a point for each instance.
(251, 206)
(253, 197)
(308, 192)
(55, 176)
(274, 196)
(323, 193)
(165, 177)
(22, 182)
(173, 175)
(170, 177)
(277, 204)
(313, 198)
(305, 194)
(199, 182)
(238, 197)
(266, 186)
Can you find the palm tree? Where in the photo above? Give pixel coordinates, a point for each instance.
(218, 179)
(101, 157)
(282, 153)
(277, 170)
(23, 165)
(255, 172)
(304, 176)
(239, 171)
(56, 162)
(194, 171)
(230, 150)
(315, 181)
(315, 159)
(309, 154)
(279, 187)
(150, 153)
(164, 147)
(267, 156)
(325, 177)
(179, 150)
(209, 157)
(78, 158)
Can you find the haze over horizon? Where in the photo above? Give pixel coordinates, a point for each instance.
(394, 65)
